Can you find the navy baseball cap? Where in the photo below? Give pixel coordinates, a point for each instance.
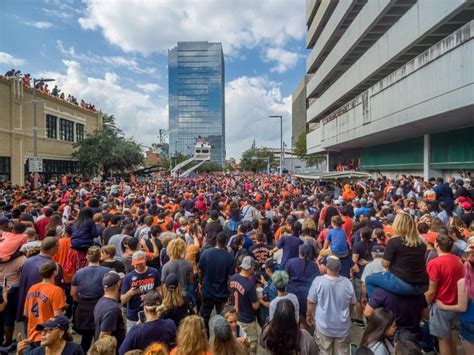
(377, 248)
(60, 322)
(271, 264)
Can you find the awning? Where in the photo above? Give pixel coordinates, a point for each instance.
(335, 176)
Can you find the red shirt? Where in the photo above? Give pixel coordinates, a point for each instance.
(40, 227)
(446, 270)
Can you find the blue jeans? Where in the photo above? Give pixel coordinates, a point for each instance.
(393, 284)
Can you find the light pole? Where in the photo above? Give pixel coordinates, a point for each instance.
(35, 127)
(281, 142)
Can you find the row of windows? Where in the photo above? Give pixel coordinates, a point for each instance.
(66, 129)
(193, 85)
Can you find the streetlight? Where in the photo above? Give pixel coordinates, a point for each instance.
(281, 141)
(35, 127)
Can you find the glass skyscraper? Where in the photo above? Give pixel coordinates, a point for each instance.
(196, 98)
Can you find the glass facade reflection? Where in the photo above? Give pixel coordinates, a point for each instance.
(196, 98)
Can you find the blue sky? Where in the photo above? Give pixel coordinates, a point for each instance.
(114, 54)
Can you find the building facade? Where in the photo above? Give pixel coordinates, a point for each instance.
(59, 125)
(196, 98)
(298, 112)
(391, 84)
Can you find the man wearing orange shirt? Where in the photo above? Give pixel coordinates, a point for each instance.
(44, 300)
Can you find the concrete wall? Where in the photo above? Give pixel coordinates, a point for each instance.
(409, 102)
(367, 16)
(414, 24)
(298, 112)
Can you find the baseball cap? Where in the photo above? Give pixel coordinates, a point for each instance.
(247, 263)
(466, 205)
(462, 199)
(110, 279)
(214, 214)
(171, 282)
(221, 328)
(60, 322)
(378, 248)
(431, 237)
(138, 257)
(271, 264)
(152, 298)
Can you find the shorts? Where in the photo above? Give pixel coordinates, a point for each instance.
(9, 313)
(466, 332)
(441, 322)
(357, 283)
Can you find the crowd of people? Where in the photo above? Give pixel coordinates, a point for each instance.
(237, 264)
(45, 89)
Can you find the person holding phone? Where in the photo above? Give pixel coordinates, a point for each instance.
(136, 284)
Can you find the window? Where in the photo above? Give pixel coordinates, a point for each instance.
(4, 169)
(79, 132)
(51, 127)
(66, 130)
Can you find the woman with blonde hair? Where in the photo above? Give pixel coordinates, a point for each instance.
(156, 349)
(192, 337)
(179, 266)
(175, 307)
(404, 257)
(106, 345)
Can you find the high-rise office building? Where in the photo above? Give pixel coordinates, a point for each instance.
(196, 98)
(390, 84)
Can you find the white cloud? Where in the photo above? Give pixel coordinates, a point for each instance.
(8, 59)
(155, 26)
(284, 59)
(64, 15)
(249, 102)
(149, 88)
(116, 61)
(138, 114)
(42, 25)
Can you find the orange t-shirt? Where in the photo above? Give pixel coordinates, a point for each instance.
(64, 258)
(347, 226)
(388, 231)
(42, 300)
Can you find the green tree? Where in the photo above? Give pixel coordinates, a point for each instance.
(300, 152)
(107, 150)
(256, 159)
(209, 166)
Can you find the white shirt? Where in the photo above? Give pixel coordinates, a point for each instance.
(372, 268)
(292, 298)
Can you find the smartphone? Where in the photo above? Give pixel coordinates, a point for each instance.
(141, 317)
(4, 283)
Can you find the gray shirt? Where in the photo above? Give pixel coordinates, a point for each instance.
(116, 241)
(333, 297)
(182, 268)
